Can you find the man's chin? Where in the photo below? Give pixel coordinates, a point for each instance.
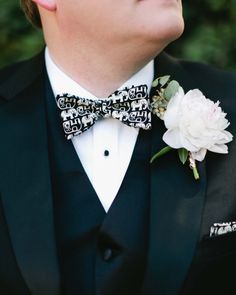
(166, 36)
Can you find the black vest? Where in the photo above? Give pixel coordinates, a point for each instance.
(99, 253)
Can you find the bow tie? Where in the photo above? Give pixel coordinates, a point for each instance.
(130, 105)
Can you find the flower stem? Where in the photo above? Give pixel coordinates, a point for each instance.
(195, 173)
(193, 166)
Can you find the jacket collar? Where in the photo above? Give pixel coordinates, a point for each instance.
(176, 204)
(25, 177)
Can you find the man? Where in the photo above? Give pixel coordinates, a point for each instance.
(90, 215)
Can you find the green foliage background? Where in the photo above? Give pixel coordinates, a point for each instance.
(210, 33)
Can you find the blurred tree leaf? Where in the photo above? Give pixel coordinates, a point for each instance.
(18, 39)
(210, 33)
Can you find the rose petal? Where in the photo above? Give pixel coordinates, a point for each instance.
(219, 148)
(200, 155)
(172, 139)
(171, 116)
(185, 143)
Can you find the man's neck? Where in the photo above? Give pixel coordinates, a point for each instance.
(62, 83)
(100, 72)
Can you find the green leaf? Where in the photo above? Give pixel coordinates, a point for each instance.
(155, 82)
(164, 80)
(171, 89)
(183, 155)
(160, 153)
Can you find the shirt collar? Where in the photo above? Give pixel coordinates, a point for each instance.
(62, 83)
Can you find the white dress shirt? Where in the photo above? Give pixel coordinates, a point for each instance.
(105, 149)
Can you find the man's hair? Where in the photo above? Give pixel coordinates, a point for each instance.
(31, 11)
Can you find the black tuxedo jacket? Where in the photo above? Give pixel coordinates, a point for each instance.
(182, 258)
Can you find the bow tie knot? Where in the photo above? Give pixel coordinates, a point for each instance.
(131, 106)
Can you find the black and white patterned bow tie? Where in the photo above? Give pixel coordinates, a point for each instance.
(130, 105)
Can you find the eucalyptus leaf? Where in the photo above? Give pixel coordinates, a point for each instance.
(183, 155)
(164, 80)
(171, 89)
(155, 82)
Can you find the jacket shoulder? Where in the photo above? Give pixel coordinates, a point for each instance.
(209, 78)
(14, 78)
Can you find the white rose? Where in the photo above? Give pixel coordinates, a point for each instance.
(196, 124)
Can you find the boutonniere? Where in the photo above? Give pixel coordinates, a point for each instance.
(195, 124)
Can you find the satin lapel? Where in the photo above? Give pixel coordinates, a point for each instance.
(25, 186)
(176, 208)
